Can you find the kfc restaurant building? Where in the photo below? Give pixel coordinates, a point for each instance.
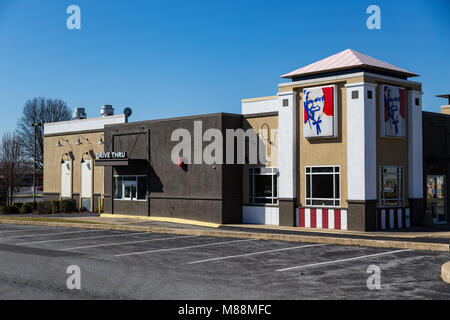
(349, 147)
(342, 142)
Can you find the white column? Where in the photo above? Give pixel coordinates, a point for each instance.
(287, 141)
(415, 160)
(361, 142)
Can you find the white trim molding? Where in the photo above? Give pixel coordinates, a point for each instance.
(259, 105)
(346, 76)
(287, 152)
(361, 142)
(66, 127)
(415, 148)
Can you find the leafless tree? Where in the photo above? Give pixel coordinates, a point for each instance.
(13, 163)
(39, 110)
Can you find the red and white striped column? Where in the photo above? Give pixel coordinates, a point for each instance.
(395, 218)
(322, 218)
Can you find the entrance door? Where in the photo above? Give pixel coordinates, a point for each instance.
(436, 200)
(129, 190)
(86, 185)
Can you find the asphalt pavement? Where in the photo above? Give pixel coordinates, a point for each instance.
(137, 265)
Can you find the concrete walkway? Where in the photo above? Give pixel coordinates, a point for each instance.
(439, 234)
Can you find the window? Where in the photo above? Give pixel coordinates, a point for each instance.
(355, 94)
(130, 188)
(118, 188)
(263, 185)
(391, 186)
(369, 94)
(323, 186)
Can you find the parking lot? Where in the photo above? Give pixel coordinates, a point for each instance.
(133, 265)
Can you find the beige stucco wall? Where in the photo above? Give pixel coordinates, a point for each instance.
(323, 152)
(256, 123)
(392, 151)
(53, 156)
(445, 109)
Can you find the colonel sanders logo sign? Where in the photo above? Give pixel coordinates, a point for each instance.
(394, 112)
(319, 114)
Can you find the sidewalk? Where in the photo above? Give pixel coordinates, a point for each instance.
(436, 239)
(440, 234)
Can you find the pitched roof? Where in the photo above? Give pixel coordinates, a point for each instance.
(347, 59)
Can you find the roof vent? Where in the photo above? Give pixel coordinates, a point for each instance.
(127, 112)
(107, 110)
(78, 114)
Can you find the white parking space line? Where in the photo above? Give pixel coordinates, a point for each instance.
(87, 238)
(181, 248)
(122, 243)
(48, 234)
(28, 229)
(256, 253)
(342, 260)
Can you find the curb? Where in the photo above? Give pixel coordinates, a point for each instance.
(248, 235)
(445, 272)
(161, 219)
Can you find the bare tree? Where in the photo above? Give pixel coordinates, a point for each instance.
(39, 110)
(13, 164)
(3, 192)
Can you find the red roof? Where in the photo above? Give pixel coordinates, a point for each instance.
(347, 59)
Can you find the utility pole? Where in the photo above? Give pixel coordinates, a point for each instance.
(35, 125)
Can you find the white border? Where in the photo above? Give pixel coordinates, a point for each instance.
(335, 112)
(382, 107)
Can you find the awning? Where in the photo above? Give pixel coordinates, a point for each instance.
(120, 162)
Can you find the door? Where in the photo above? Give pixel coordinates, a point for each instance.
(86, 185)
(436, 199)
(66, 180)
(129, 190)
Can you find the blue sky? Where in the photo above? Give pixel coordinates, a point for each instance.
(175, 58)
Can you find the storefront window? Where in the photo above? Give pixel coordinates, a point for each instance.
(130, 188)
(263, 185)
(118, 188)
(436, 202)
(391, 186)
(323, 186)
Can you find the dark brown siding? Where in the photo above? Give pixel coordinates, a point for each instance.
(436, 150)
(211, 193)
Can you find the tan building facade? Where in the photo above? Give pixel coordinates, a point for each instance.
(70, 150)
(356, 140)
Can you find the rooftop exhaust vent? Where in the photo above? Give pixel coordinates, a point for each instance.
(78, 114)
(107, 110)
(127, 112)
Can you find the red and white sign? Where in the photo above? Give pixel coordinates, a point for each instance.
(336, 219)
(393, 112)
(319, 112)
